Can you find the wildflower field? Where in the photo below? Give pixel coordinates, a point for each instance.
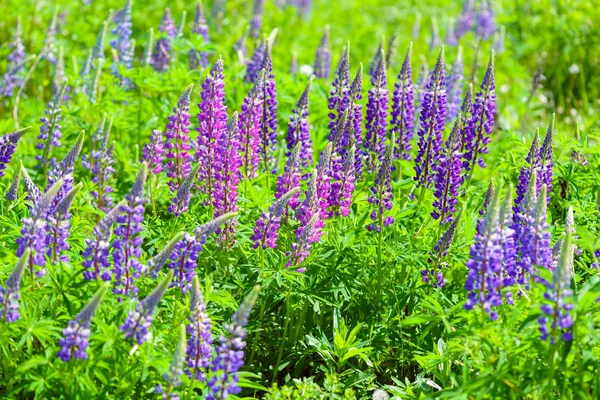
(295, 199)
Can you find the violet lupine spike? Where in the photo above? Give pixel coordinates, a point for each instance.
(249, 127)
(376, 119)
(323, 57)
(266, 231)
(177, 142)
(268, 121)
(486, 24)
(306, 235)
(33, 192)
(33, 231)
(199, 345)
(467, 111)
(153, 153)
(454, 86)
(255, 63)
(98, 51)
(525, 179)
(181, 202)
(381, 196)
(558, 303)
(227, 178)
(403, 109)
(160, 259)
(127, 244)
(545, 162)
(375, 61)
(229, 357)
(257, 16)
(212, 125)
(290, 179)
(482, 122)
(96, 253)
(13, 79)
(175, 369)
(299, 129)
(167, 24)
(101, 164)
(64, 170)
(122, 31)
(432, 119)
(489, 195)
(58, 227)
(50, 130)
(161, 58)
(9, 293)
(434, 274)
(8, 145)
(355, 117)
(342, 189)
(338, 99)
(466, 19)
(507, 243)
(13, 190)
(138, 322)
(75, 337)
(199, 58)
(324, 174)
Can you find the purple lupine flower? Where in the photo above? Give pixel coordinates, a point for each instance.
(98, 50)
(339, 95)
(33, 192)
(257, 15)
(390, 54)
(177, 141)
(403, 109)
(122, 31)
(323, 57)
(306, 235)
(8, 144)
(199, 58)
(101, 164)
(49, 47)
(75, 337)
(9, 293)
(229, 357)
(266, 231)
(96, 253)
(289, 180)
(435, 275)
(299, 129)
(377, 112)
(421, 87)
(212, 125)
(255, 64)
(507, 243)
(489, 195)
(375, 61)
(50, 130)
(466, 111)
(268, 121)
(181, 202)
(227, 178)
(58, 227)
(154, 152)
(433, 115)
(486, 24)
(558, 305)
(545, 160)
(466, 19)
(12, 79)
(199, 345)
(161, 258)
(184, 257)
(354, 125)
(127, 244)
(454, 87)
(162, 53)
(33, 232)
(342, 189)
(416, 28)
(175, 370)
(482, 120)
(381, 196)
(249, 127)
(167, 24)
(13, 190)
(64, 170)
(525, 175)
(139, 321)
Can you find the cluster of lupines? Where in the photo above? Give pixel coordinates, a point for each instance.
(323, 57)
(299, 129)
(10, 292)
(435, 275)
(268, 120)
(199, 58)
(479, 17)
(12, 78)
(381, 196)
(376, 118)
(177, 142)
(101, 164)
(8, 144)
(403, 109)
(266, 231)
(161, 59)
(250, 127)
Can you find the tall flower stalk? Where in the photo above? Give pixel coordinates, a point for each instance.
(403, 109)
(177, 142)
(101, 165)
(12, 78)
(50, 130)
(199, 345)
(10, 291)
(199, 58)
(58, 227)
(161, 59)
(289, 180)
(299, 129)
(8, 145)
(266, 231)
(338, 96)
(376, 120)
(323, 57)
(268, 121)
(454, 87)
(250, 128)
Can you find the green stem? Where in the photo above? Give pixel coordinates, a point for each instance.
(283, 338)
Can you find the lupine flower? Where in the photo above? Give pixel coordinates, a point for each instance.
(299, 129)
(377, 111)
(227, 178)
(229, 358)
(454, 87)
(75, 337)
(180, 203)
(433, 115)
(199, 58)
(421, 87)
(154, 152)
(13, 190)
(390, 54)
(176, 368)
(8, 144)
(451, 39)
(338, 96)
(403, 109)
(33, 232)
(98, 51)
(184, 257)
(354, 124)
(58, 227)
(50, 130)
(381, 196)
(33, 192)
(466, 19)
(255, 63)
(489, 195)
(290, 179)
(545, 161)
(101, 164)
(96, 252)
(199, 345)
(49, 47)
(161, 258)
(127, 244)
(435, 274)
(306, 235)
(482, 121)
(486, 25)
(139, 321)
(9, 293)
(122, 31)
(526, 172)
(558, 305)
(268, 121)
(375, 61)
(242, 50)
(162, 52)
(64, 170)
(342, 189)
(435, 41)
(177, 141)
(257, 15)
(12, 79)
(249, 127)
(323, 57)
(212, 125)
(266, 231)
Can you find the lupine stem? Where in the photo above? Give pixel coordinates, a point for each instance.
(284, 336)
